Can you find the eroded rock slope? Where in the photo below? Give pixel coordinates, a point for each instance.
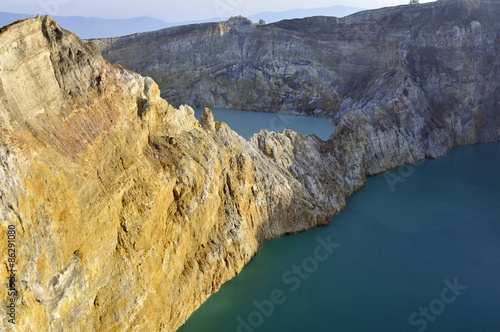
(442, 55)
(130, 213)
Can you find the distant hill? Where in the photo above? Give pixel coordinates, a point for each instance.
(337, 11)
(8, 18)
(92, 27)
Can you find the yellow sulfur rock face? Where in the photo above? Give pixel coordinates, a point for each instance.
(128, 212)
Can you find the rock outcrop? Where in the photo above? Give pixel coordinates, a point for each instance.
(442, 55)
(129, 213)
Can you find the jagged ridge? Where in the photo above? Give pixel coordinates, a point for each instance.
(445, 53)
(129, 212)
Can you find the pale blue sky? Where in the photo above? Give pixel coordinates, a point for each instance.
(176, 11)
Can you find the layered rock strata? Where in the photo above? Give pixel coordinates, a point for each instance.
(129, 213)
(446, 53)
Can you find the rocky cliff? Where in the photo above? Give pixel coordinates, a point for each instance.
(446, 51)
(129, 213)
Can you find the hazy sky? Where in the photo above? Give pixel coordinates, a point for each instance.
(176, 11)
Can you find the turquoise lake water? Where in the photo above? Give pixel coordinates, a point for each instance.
(246, 124)
(416, 250)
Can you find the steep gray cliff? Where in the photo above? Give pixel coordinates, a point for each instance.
(439, 57)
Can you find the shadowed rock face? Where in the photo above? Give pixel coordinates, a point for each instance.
(446, 53)
(130, 213)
